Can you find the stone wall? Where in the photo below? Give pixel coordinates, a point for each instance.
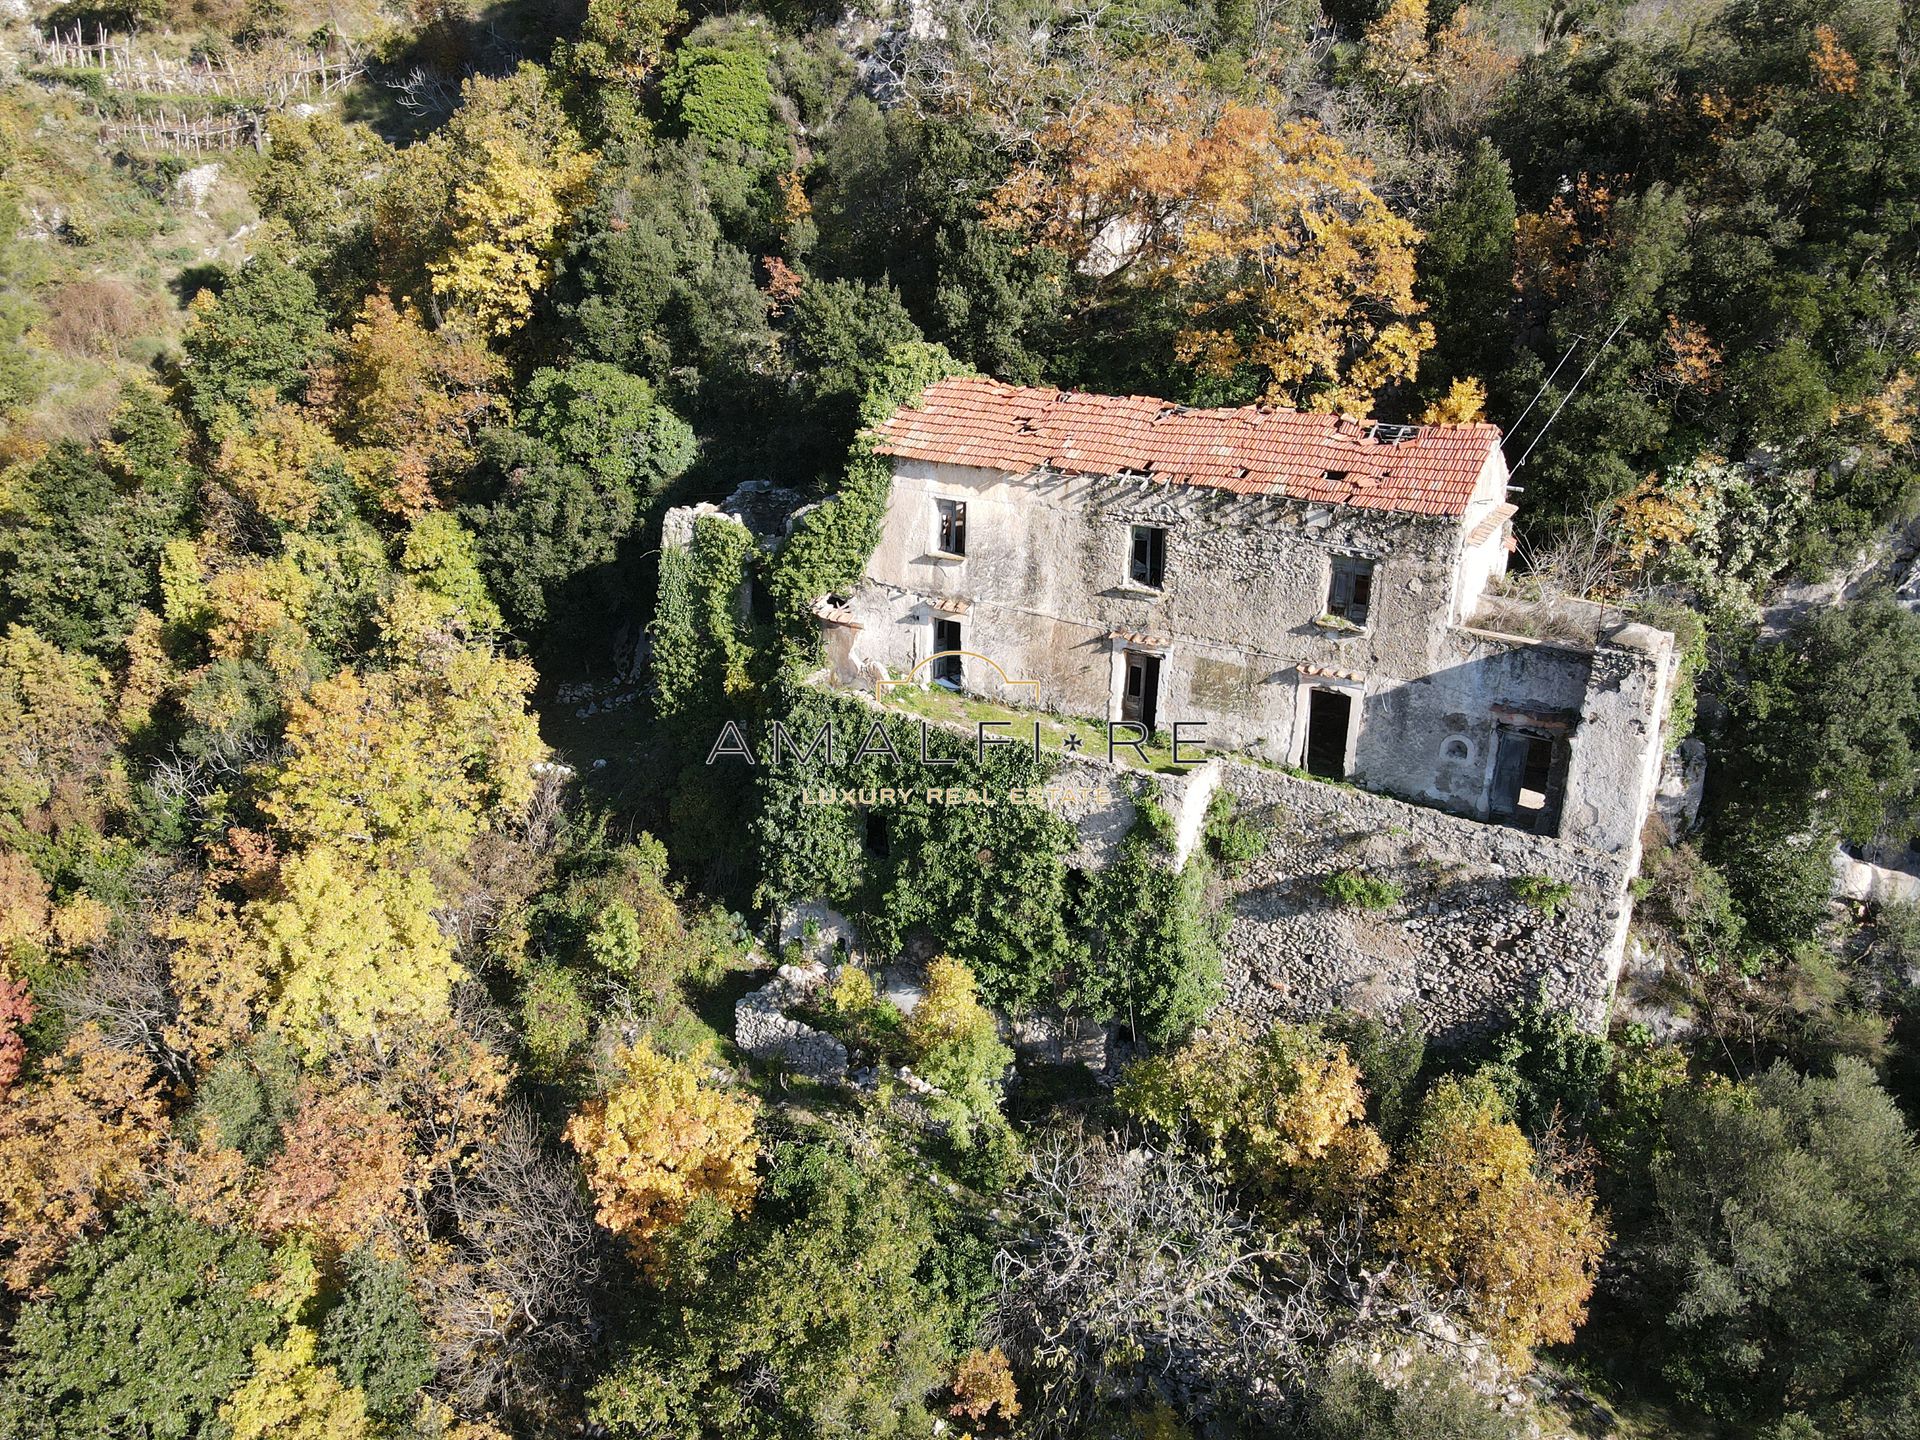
(763, 1029)
(1460, 945)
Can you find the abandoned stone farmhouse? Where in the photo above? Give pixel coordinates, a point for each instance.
(1321, 595)
(1314, 590)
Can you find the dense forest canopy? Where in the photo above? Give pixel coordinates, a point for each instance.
(370, 929)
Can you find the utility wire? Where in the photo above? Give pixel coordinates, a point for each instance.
(1520, 419)
(1575, 390)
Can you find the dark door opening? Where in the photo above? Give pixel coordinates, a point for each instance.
(1329, 717)
(946, 668)
(1140, 701)
(1523, 780)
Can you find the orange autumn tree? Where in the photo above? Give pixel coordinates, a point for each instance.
(73, 1147)
(1285, 260)
(341, 1172)
(660, 1141)
(1473, 1206)
(411, 402)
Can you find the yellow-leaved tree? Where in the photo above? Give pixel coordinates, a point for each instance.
(292, 1396)
(1473, 1206)
(661, 1140)
(411, 402)
(1286, 262)
(74, 1145)
(268, 460)
(351, 953)
(1282, 1113)
(956, 1044)
(506, 229)
(1463, 404)
(53, 720)
(468, 221)
(408, 764)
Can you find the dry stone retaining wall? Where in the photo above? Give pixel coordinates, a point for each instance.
(1460, 945)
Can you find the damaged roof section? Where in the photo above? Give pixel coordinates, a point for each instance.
(1247, 450)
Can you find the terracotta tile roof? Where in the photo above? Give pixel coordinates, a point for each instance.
(1491, 522)
(1252, 450)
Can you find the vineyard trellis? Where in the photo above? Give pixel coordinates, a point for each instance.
(260, 81)
(272, 77)
(184, 134)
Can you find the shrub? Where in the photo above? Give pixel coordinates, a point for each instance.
(957, 1046)
(1472, 1207)
(146, 1332)
(1543, 892)
(1281, 1113)
(1237, 840)
(555, 1019)
(1356, 891)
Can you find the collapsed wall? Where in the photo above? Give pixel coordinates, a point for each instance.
(1461, 945)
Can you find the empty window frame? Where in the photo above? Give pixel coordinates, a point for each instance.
(1528, 779)
(946, 646)
(1147, 557)
(950, 526)
(1350, 589)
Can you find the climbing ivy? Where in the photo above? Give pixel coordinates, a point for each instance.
(829, 549)
(701, 640)
(990, 880)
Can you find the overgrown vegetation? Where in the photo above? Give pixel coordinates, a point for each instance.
(365, 1059)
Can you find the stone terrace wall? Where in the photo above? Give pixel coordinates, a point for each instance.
(1460, 945)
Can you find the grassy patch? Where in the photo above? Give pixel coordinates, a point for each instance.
(1543, 892)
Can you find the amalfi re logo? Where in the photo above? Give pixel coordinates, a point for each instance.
(780, 744)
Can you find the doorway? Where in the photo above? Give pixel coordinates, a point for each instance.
(1140, 700)
(1329, 718)
(946, 666)
(1523, 780)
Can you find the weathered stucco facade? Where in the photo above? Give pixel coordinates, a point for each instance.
(1335, 634)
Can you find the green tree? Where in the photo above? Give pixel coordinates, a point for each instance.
(956, 1045)
(1466, 274)
(145, 1333)
(1787, 1250)
(259, 330)
(841, 335)
(1155, 960)
(374, 1335)
(609, 423)
(825, 1317)
(82, 532)
(649, 283)
(1822, 739)
(722, 95)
